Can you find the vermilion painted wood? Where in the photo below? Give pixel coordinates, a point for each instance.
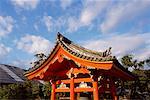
(72, 94)
(62, 90)
(95, 91)
(75, 90)
(53, 91)
(83, 89)
(78, 80)
(47, 65)
(61, 65)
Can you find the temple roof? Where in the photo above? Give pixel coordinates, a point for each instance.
(67, 51)
(77, 51)
(82, 52)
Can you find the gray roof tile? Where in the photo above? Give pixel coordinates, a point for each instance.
(7, 77)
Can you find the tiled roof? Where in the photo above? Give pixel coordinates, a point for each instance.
(11, 74)
(77, 51)
(82, 52)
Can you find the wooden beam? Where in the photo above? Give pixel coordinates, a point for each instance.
(83, 89)
(62, 90)
(67, 81)
(75, 80)
(83, 80)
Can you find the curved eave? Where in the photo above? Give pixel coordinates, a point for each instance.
(86, 63)
(84, 53)
(124, 73)
(61, 42)
(36, 69)
(113, 65)
(60, 53)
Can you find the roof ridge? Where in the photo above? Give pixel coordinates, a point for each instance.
(83, 53)
(71, 45)
(13, 66)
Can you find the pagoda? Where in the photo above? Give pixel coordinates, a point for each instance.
(74, 69)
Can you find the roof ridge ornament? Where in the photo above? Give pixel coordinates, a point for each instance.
(107, 52)
(59, 35)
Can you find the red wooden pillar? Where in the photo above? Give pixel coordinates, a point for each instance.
(53, 97)
(72, 89)
(113, 90)
(95, 91)
(114, 94)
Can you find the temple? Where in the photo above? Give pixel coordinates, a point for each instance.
(78, 71)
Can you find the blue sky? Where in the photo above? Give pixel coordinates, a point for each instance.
(28, 27)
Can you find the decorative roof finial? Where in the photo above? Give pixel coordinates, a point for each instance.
(109, 51)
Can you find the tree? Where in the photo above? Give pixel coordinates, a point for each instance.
(140, 85)
(40, 58)
(16, 91)
(148, 61)
(29, 90)
(128, 61)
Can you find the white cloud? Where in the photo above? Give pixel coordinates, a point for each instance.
(91, 9)
(21, 63)
(34, 44)
(123, 11)
(60, 22)
(48, 22)
(143, 53)
(26, 4)
(4, 50)
(73, 24)
(6, 25)
(65, 3)
(123, 44)
(52, 24)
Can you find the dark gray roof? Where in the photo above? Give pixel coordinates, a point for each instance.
(11, 74)
(82, 52)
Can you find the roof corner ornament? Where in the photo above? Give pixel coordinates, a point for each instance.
(59, 36)
(107, 52)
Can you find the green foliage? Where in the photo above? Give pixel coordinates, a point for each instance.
(26, 91)
(46, 89)
(129, 61)
(40, 58)
(141, 84)
(148, 62)
(15, 91)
